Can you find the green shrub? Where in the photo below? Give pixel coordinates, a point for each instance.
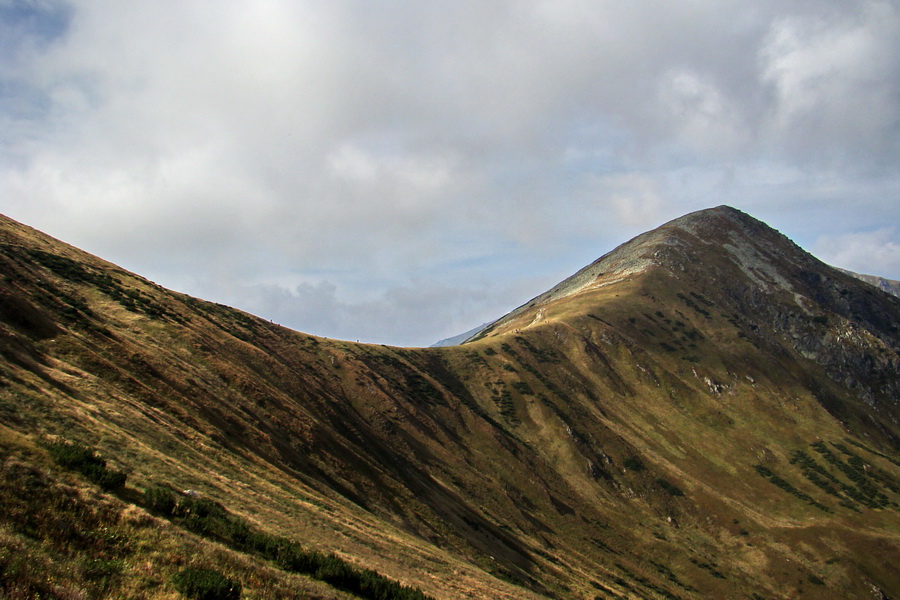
(160, 499)
(523, 388)
(190, 506)
(108, 479)
(206, 584)
(208, 518)
(633, 463)
(778, 481)
(72, 456)
(673, 489)
(83, 459)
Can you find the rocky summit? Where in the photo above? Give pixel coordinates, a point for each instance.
(707, 411)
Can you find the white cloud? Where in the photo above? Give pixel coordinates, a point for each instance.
(632, 200)
(409, 314)
(836, 81)
(869, 252)
(702, 115)
(273, 140)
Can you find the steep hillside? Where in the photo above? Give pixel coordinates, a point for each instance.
(776, 299)
(705, 412)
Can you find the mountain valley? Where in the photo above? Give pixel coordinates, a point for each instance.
(707, 411)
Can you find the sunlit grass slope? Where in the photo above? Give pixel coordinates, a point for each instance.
(705, 413)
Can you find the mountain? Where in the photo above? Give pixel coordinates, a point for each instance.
(707, 411)
(888, 285)
(460, 338)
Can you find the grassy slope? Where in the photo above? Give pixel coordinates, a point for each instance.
(549, 454)
(707, 440)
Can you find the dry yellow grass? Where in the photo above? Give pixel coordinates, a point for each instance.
(502, 468)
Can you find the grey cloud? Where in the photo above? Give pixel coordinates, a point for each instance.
(259, 142)
(410, 314)
(864, 252)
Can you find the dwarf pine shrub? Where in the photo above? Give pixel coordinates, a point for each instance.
(206, 584)
(83, 459)
(211, 519)
(160, 499)
(670, 487)
(633, 463)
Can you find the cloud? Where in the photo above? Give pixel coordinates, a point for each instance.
(834, 82)
(870, 252)
(224, 146)
(411, 314)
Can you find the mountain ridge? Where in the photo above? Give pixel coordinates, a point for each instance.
(775, 278)
(459, 338)
(658, 247)
(890, 286)
(655, 437)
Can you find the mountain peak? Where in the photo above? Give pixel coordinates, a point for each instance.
(721, 211)
(670, 246)
(710, 215)
(713, 224)
(722, 225)
(738, 263)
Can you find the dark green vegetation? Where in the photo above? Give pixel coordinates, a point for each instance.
(206, 584)
(83, 459)
(790, 489)
(63, 521)
(210, 519)
(54, 540)
(707, 412)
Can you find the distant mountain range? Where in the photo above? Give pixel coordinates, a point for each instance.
(888, 285)
(707, 411)
(459, 339)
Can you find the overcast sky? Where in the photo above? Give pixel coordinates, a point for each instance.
(402, 171)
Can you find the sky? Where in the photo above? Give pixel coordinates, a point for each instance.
(399, 172)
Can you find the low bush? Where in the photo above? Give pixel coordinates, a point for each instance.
(160, 499)
(783, 484)
(208, 518)
(633, 463)
(206, 584)
(83, 459)
(673, 489)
